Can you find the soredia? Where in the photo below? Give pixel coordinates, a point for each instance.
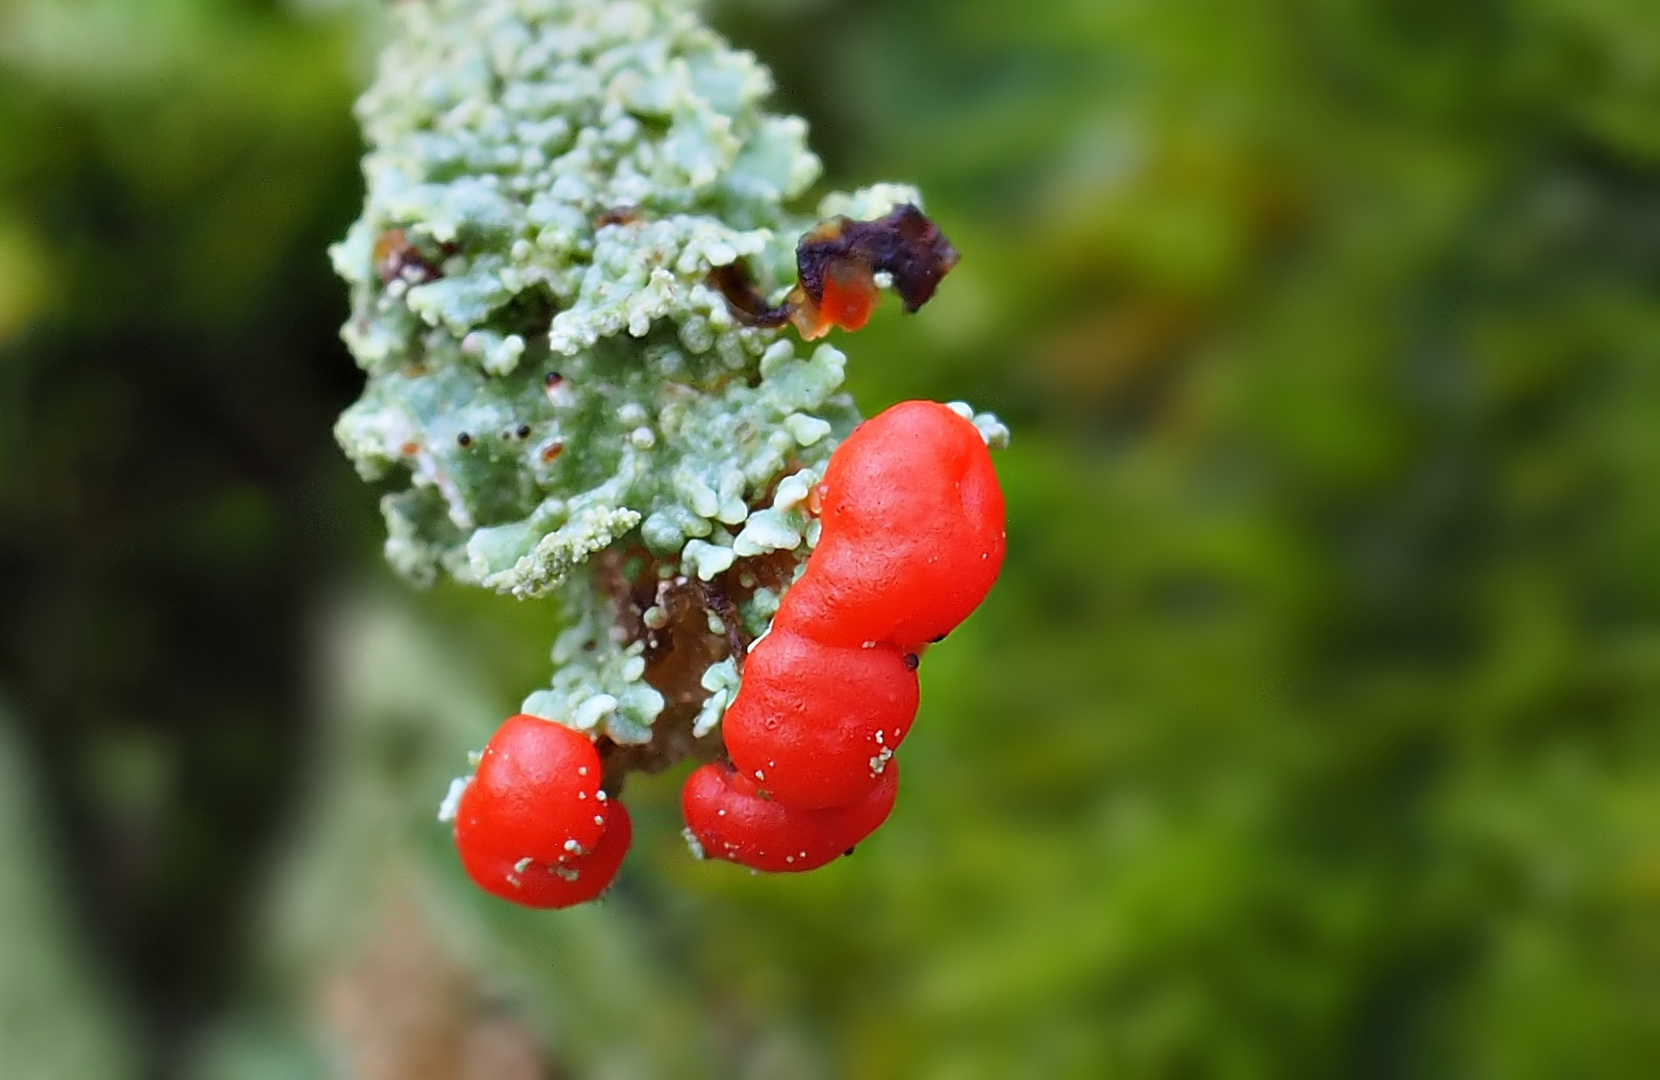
(565, 404)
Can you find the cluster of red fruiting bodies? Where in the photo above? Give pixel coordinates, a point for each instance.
(912, 539)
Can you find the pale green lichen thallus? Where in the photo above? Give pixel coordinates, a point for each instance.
(550, 377)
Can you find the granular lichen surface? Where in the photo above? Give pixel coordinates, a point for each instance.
(557, 399)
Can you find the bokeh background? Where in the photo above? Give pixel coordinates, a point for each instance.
(1313, 730)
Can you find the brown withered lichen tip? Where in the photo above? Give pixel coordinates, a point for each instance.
(903, 243)
(836, 266)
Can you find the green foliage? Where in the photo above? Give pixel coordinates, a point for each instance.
(1330, 631)
(55, 1021)
(1314, 729)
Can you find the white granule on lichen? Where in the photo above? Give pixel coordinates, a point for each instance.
(452, 798)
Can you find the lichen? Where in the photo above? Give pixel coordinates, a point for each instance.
(550, 377)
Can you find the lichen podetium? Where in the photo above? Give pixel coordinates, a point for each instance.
(574, 407)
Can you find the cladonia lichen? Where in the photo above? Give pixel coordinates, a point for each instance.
(557, 399)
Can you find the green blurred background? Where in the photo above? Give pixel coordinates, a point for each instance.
(1313, 730)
